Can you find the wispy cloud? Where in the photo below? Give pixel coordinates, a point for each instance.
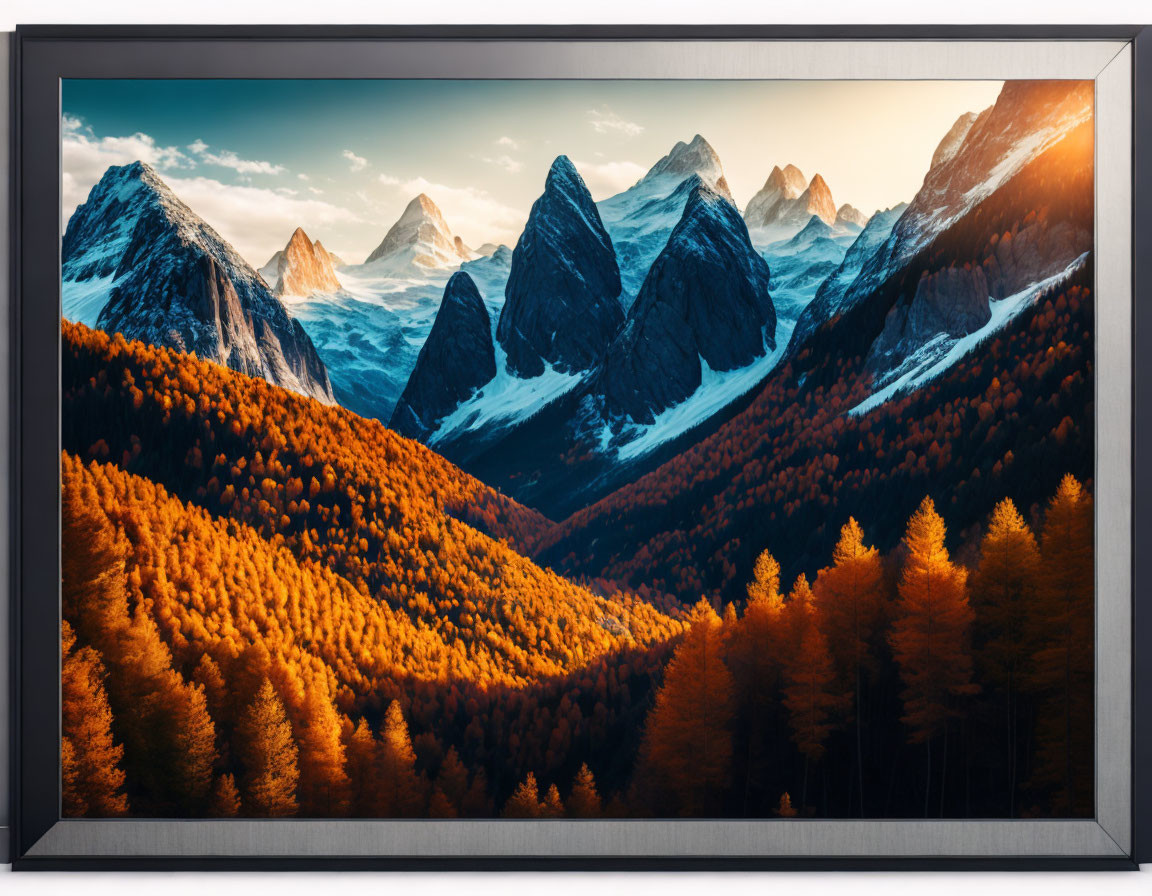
(355, 162)
(605, 121)
(606, 179)
(228, 159)
(255, 220)
(509, 164)
(508, 143)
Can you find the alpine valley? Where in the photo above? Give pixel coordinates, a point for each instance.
(465, 523)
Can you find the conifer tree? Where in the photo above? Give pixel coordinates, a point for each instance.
(399, 785)
(553, 806)
(1063, 661)
(525, 800)
(930, 635)
(225, 798)
(784, 808)
(584, 801)
(810, 693)
(765, 584)
(363, 754)
(687, 748)
(324, 784)
(93, 778)
(851, 604)
(1004, 594)
(452, 780)
(269, 756)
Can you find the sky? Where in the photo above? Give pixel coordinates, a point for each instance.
(342, 159)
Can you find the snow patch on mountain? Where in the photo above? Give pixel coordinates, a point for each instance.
(505, 399)
(716, 391)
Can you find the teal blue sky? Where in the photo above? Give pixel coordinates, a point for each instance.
(343, 158)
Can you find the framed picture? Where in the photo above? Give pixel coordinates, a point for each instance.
(581, 447)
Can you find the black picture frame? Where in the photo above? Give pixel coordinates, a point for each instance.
(36, 53)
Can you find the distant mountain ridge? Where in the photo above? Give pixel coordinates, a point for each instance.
(160, 274)
(419, 241)
(641, 218)
(301, 268)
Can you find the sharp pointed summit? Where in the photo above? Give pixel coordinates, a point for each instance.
(704, 302)
(419, 241)
(138, 261)
(697, 157)
(641, 218)
(562, 299)
(785, 204)
(301, 268)
(457, 358)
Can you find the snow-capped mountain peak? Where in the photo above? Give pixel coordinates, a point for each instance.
(850, 216)
(952, 141)
(641, 219)
(301, 268)
(786, 202)
(138, 261)
(685, 159)
(419, 241)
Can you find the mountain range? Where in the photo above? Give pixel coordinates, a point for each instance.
(613, 332)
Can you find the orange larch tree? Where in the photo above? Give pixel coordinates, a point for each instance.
(1003, 592)
(93, 778)
(930, 635)
(269, 756)
(687, 746)
(811, 695)
(1063, 662)
(851, 605)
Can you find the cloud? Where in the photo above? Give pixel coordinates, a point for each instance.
(509, 164)
(228, 159)
(605, 121)
(605, 179)
(389, 180)
(472, 213)
(356, 163)
(255, 220)
(303, 176)
(508, 143)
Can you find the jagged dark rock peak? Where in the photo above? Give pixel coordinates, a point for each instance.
(704, 301)
(175, 282)
(561, 302)
(457, 359)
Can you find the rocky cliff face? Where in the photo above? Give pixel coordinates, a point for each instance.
(562, 299)
(457, 359)
(704, 301)
(168, 278)
(300, 268)
(420, 241)
(952, 302)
